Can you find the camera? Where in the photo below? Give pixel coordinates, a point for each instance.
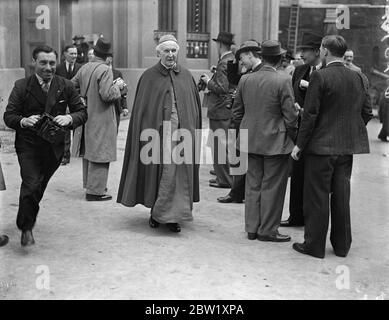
(201, 85)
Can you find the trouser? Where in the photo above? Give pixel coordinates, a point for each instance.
(95, 177)
(297, 193)
(327, 183)
(266, 182)
(66, 155)
(37, 166)
(238, 187)
(222, 168)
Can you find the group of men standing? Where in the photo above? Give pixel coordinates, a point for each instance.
(318, 117)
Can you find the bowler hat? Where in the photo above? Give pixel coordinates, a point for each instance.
(103, 46)
(311, 41)
(272, 48)
(78, 37)
(247, 46)
(225, 37)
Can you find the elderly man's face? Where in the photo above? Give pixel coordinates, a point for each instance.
(245, 60)
(169, 55)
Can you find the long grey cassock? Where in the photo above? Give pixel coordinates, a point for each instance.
(173, 203)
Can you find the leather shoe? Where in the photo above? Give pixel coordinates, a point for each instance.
(219, 186)
(153, 224)
(92, 197)
(252, 236)
(302, 248)
(274, 238)
(213, 181)
(3, 240)
(65, 162)
(229, 199)
(27, 238)
(174, 227)
(383, 139)
(288, 223)
(212, 172)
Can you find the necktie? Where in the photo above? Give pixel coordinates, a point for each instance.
(70, 70)
(45, 87)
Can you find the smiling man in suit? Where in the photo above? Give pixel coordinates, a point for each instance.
(333, 129)
(301, 77)
(68, 69)
(31, 97)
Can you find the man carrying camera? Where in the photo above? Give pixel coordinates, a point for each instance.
(39, 157)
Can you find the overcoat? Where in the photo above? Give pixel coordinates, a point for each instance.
(100, 131)
(140, 182)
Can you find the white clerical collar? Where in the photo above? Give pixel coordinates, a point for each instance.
(167, 68)
(224, 54)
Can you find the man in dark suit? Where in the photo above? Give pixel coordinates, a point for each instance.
(300, 80)
(249, 55)
(333, 129)
(121, 104)
(43, 92)
(219, 109)
(68, 69)
(265, 104)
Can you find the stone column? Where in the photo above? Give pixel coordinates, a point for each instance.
(214, 23)
(10, 69)
(182, 18)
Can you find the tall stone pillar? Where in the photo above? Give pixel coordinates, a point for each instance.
(214, 20)
(10, 69)
(182, 18)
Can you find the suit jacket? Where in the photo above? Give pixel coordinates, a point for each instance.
(301, 73)
(219, 101)
(61, 70)
(265, 104)
(27, 98)
(122, 102)
(337, 109)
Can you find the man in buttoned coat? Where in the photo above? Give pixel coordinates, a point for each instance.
(219, 109)
(265, 104)
(96, 141)
(43, 92)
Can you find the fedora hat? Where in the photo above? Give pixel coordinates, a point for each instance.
(310, 41)
(78, 37)
(103, 46)
(225, 37)
(247, 46)
(272, 48)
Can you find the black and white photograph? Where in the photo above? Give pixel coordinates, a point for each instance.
(194, 150)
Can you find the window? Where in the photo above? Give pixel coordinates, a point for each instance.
(225, 15)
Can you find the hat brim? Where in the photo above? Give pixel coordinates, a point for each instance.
(229, 43)
(102, 52)
(246, 49)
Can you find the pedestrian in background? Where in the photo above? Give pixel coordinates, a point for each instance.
(96, 141)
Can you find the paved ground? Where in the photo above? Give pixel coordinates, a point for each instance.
(106, 251)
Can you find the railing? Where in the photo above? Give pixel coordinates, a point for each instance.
(197, 45)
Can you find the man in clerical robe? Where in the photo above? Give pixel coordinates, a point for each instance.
(157, 171)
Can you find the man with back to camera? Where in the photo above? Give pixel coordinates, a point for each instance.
(43, 92)
(333, 129)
